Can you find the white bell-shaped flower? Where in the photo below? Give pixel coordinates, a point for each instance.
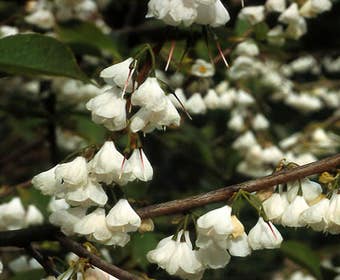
(149, 95)
(310, 190)
(296, 29)
(245, 141)
(195, 104)
(213, 256)
(120, 74)
(57, 204)
(72, 174)
(123, 218)
(312, 8)
(291, 15)
(90, 194)
(213, 14)
(180, 95)
(243, 98)
(264, 236)
(275, 5)
(94, 226)
(316, 215)
(107, 162)
(275, 206)
(236, 122)
(177, 257)
(211, 100)
(12, 215)
(239, 246)
(66, 219)
(260, 122)
(33, 216)
(42, 18)
(108, 109)
(227, 99)
(168, 116)
(247, 48)
(158, 9)
(333, 214)
(181, 11)
(46, 182)
(217, 221)
(253, 14)
(291, 217)
(140, 120)
(202, 68)
(141, 167)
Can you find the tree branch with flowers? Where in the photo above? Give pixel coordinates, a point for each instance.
(231, 102)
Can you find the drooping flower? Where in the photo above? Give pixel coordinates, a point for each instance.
(122, 217)
(253, 14)
(333, 214)
(67, 218)
(316, 215)
(275, 5)
(212, 101)
(264, 236)
(291, 216)
(141, 167)
(33, 216)
(149, 95)
(195, 104)
(46, 181)
(275, 206)
(239, 246)
(108, 109)
(94, 226)
(177, 257)
(72, 174)
(120, 74)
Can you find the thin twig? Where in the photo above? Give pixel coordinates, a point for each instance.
(93, 259)
(223, 194)
(45, 262)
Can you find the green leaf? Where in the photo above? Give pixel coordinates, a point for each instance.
(302, 255)
(261, 31)
(86, 33)
(35, 54)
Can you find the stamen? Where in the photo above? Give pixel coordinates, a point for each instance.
(221, 53)
(271, 230)
(171, 52)
(122, 168)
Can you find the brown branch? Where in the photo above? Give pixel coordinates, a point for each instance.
(93, 259)
(44, 261)
(8, 190)
(181, 205)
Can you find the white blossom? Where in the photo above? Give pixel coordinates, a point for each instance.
(201, 68)
(311, 8)
(66, 219)
(291, 217)
(213, 256)
(316, 215)
(94, 226)
(275, 5)
(12, 214)
(195, 104)
(247, 48)
(72, 174)
(120, 74)
(333, 214)
(46, 181)
(149, 95)
(260, 122)
(41, 18)
(123, 218)
(211, 99)
(141, 167)
(264, 236)
(33, 216)
(213, 14)
(253, 14)
(239, 246)
(275, 206)
(177, 257)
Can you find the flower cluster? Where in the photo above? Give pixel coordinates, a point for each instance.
(187, 12)
(292, 16)
(304, 204)
(13, 215)
(80, 184)
(220, 235)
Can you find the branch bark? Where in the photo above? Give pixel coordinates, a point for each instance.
(181, 205)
